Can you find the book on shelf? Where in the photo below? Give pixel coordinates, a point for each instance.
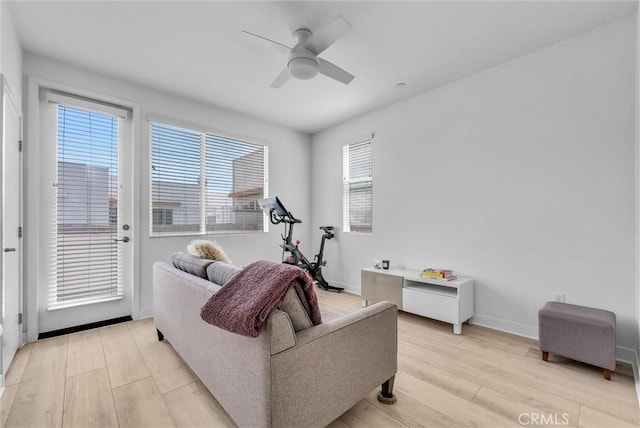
(446, 274)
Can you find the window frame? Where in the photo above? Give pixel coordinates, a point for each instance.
(204, 133)
(365, 182)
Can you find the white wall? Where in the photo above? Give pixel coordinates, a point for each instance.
(287, 179)
(10, 53)
(521, 177)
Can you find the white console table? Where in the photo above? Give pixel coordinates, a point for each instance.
(447, 301)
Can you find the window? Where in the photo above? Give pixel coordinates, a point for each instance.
(203, 183)
(162, 216)
(357, 193)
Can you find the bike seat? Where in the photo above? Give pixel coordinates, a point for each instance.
(326, 228)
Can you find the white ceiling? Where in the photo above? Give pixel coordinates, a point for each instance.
(194, 48)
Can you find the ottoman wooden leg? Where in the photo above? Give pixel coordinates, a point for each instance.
(606, 373)
(545, 356)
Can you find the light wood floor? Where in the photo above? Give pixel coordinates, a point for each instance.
(122, 376)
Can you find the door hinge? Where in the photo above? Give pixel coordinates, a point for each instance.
(19, 231)
(20, 146)
(20, 318)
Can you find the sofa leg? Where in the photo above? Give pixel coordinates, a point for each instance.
(545, 356)
(160, 335)
(606, 373)
(386, 393)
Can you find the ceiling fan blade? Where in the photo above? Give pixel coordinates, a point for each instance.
(265, 42)
(328, 34)
(281, 79)
(331, 70)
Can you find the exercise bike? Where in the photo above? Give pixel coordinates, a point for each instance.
(291, 253)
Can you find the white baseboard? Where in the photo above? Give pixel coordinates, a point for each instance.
(505, 326)
(636, 377)
(635, 363)
(626, 355)
(145, 313)
(347, 287)
(630, 356)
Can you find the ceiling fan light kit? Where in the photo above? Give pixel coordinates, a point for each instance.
(304, 63)
(303, 68)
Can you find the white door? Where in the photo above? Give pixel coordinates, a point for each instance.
(11, 234)
(85, 205)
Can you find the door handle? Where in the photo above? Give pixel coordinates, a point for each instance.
(124, 239)
(9, 250)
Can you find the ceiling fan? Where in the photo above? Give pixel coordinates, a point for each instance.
(304, 62)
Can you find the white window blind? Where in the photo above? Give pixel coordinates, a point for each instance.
(357, 167)
(203, 183)
(85, 259)
(175, 180)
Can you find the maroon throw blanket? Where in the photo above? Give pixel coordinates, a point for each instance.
(244, 303)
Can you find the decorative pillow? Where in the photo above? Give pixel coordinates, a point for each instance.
(293, 307)
(221, 272)
(207, 250)
(191, 264)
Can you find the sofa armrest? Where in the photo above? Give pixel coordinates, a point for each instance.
(334, 365)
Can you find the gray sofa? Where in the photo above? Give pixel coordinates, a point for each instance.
(292, 374)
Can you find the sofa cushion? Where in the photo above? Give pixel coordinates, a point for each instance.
(297, 314)
(221, 272)
(191, 264)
